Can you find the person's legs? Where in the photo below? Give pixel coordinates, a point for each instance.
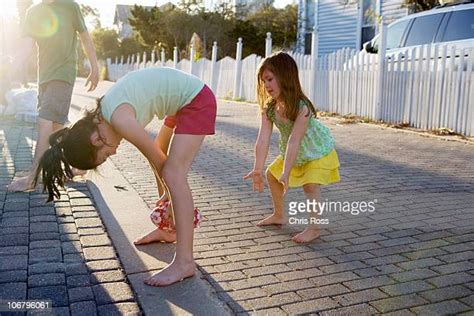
(276, 189)
(54, 101)
(44, 128)
(312, 192)
(175, 171)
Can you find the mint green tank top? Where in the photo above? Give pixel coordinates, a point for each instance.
(317, 142)
(155, 91)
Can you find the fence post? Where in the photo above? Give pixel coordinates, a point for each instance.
(268, 44)
(163, 57)
(360, 18)
(175, 57)
(213, 67)
(314, 63)
(153, 57)
(191, 59)
(238, 70)
(144, 60)
(377, 110)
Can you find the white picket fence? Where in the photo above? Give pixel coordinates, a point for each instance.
(429, 91)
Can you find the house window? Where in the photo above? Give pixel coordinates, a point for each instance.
(368, 20)
(307, 43)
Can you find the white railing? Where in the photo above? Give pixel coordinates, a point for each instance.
(428, 90)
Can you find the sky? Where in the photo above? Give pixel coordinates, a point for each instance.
(106, 8)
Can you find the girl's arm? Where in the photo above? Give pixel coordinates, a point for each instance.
(263, 142)
(294, 143)
(124, 122)
(261, 152)
(162, 141)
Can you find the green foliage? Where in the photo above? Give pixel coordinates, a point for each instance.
(420, 5)
(130, 46)
(280, 22)
(106, 43)
(175, 25)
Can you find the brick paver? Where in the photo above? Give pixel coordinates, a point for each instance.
(57, 251)
(415, 246)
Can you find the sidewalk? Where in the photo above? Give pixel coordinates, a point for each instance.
(58, 252)
(412, 255)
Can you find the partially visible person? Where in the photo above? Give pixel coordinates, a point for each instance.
(54, 25)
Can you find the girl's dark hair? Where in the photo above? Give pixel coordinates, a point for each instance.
(284, 67)
(69, 147)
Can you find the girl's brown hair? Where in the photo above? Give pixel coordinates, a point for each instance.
(69, 147)
(284, 67)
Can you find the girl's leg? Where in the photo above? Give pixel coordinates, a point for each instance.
(312, 192)
(175, 172)
(276, 190)
(162, 141)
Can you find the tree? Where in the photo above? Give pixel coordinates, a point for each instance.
(173, 26)
(149, 25)
(106, 43)
(420, 5)
(130, 46)
(280, 22)
(91, 13)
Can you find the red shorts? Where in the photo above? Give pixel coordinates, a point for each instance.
(197, 117)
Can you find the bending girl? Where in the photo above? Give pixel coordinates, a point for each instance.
(190, 108)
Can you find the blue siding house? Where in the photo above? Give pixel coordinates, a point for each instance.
(343, 23)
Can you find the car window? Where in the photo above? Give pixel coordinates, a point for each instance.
(395, 34)
(423, 30)
(460, 26)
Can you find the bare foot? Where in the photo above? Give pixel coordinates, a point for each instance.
(23, 184)
(307, 235)
(172, 273)
(156, 235)
(272, 220)
(78, 172)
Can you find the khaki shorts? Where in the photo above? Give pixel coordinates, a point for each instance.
(54, 101)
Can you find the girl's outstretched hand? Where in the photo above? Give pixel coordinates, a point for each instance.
(284, 179)
(257, 178)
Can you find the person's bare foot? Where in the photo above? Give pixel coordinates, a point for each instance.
(307, 235)
(272, 220)
(156, 235)
(172, 273)
(78, 172)
(23, 184)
